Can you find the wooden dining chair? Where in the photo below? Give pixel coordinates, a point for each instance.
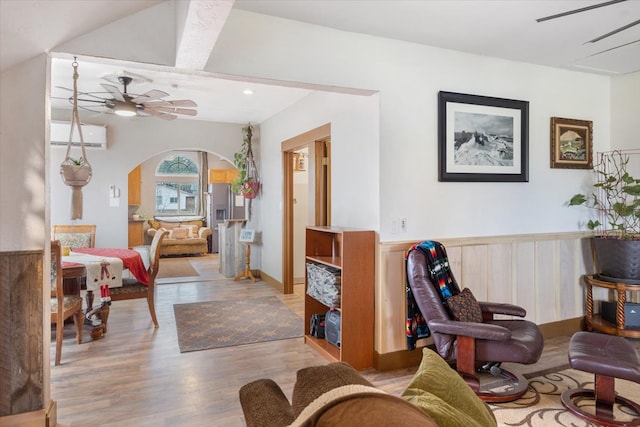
(63, 306)
(132, 289)
(75, 236)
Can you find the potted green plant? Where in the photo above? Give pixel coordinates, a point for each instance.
(616, 199)
(247, 181)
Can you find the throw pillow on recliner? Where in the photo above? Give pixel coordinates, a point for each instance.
(464, 307)
(443, 395)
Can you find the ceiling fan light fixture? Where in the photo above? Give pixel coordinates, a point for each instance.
(125, 109)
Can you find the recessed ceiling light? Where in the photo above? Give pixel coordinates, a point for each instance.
(247, 92)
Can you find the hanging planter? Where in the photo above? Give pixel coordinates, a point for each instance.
(250, 189)
(76, 173)
(247, 182)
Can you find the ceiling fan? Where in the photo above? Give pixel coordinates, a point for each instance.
(591, 7)
(125, 104)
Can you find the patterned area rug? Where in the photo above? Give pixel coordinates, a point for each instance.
(541, 405)
(214, 324)
(178, 267)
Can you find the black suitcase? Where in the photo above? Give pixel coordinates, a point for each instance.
(332, 327)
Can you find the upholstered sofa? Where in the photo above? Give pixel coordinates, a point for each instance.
(188, 237)
(337, 395)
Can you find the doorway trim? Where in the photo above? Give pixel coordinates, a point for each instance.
(311, 138)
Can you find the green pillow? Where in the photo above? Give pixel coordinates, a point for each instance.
(443, 395)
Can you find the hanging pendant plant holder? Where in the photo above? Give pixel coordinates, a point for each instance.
(251, 187)
(76, 173)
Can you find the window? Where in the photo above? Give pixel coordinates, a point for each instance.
(177, 186)
(177, 165)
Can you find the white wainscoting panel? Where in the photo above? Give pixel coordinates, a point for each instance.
(540, 272)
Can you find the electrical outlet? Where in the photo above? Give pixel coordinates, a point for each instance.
(403, 225)
(395, 226)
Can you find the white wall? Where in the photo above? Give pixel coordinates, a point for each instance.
(24, 207)
(401, 165)
(625, 111)
(24, 128)
(408, 77)
(130, 142)
(354, 171)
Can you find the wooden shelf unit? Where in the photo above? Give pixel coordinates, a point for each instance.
(351, 251)
(596, 321)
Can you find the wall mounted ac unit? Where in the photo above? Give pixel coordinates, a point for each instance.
(95, 136)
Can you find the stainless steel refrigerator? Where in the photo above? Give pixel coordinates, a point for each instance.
(221, 207)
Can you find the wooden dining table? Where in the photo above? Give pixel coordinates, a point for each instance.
(73, 273)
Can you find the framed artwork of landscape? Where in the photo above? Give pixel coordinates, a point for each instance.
(571, 143)
(482, 139)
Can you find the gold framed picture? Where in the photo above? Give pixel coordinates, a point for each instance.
(571, 143)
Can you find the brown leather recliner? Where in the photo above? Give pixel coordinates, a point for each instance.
(472, 345)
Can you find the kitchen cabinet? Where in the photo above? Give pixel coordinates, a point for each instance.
(134, 186)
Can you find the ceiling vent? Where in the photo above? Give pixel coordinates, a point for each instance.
(95, 136)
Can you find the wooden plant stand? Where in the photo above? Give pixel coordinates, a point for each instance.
(596, 322)
(246, 274)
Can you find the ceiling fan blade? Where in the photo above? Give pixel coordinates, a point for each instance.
(150, 96)
(100, 99)
(114, 91)
(166, 103)
(582, 9)
(183, 103)
(161, 115)
(614, 48)
(173, 110)
(98, 112)
(604, 36)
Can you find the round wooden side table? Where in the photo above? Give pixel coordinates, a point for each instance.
(596, 322)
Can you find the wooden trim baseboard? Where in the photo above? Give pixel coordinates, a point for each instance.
(563, 327)
(41, 418)
(276, 284)
(396, 360)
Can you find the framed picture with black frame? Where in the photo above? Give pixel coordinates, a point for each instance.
(482, 138)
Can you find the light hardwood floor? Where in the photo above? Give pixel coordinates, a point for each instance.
(136, 375)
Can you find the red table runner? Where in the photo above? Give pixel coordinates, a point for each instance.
(131, 260)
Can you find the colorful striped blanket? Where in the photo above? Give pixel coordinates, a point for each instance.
(440, 275)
